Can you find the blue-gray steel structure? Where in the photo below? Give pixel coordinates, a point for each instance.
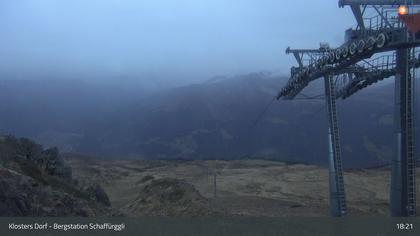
(403, 193)
(348, 64)
(336, 181)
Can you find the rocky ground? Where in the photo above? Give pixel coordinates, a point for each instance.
(38, 182)
(42, 182)
(246, 187)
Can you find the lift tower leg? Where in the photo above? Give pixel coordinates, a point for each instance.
(337, 193)
(403, 193)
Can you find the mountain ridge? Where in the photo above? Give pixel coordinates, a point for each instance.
(215, 120)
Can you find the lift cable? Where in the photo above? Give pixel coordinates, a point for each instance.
(255, 123)
(306, 97)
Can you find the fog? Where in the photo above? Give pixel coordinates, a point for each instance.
(162, 42)
(131, 78)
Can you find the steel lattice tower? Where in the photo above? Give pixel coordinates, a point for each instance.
(390, 40)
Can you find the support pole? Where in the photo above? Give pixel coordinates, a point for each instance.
(403, 192)
(337, 193)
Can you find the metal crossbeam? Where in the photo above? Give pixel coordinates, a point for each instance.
(387, 34)
(383, 32)
(379, 69)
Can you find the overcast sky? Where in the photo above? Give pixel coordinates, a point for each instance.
(194, 39)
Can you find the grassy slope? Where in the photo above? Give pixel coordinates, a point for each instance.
(249, 187)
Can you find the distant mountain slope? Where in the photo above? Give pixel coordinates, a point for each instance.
(54, 112)
(215, 120)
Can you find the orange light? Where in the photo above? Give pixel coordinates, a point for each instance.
(403, 10)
